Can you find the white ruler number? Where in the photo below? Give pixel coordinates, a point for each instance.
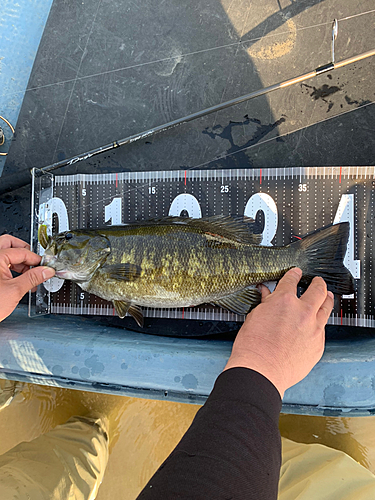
(113, 212)
(46, 211)
(186, 202)
(345, 213)
(264, 202)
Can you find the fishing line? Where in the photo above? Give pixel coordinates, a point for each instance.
(76, 78)
(15, 181)
(223, 156)
(357, 15)
(199, 114)
(171, 58)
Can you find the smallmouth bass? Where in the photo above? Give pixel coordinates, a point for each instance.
(182, 262)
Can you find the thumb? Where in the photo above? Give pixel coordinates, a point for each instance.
(32, 278)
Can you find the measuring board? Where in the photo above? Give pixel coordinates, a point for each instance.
(287, 202)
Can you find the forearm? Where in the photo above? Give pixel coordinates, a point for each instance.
(231, 450)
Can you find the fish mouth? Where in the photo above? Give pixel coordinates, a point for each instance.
(50, 261)
(47, 260)
(67, 275)
(61, 272)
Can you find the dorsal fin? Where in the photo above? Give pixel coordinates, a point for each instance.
(239, 229)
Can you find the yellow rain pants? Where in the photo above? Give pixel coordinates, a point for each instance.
(316, 472)
(8, 391)
(68, 463)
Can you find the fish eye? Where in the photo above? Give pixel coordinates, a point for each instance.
(68, 236)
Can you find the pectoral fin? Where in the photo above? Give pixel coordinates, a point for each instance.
(122, 307)
(127, 272)
(241, 302)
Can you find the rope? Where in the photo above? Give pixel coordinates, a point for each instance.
(11, 128)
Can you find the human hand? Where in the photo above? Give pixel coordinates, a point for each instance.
(15, 255)
(283, 337)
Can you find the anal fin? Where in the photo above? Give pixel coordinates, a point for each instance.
(122, 308)
(240, 302)
(137, 314)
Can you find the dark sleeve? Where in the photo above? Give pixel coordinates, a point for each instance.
(232, 449)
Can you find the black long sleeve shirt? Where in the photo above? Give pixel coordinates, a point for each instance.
(232, 450)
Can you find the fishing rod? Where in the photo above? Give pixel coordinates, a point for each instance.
(11, 182)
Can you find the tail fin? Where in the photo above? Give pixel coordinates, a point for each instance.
(322, 254)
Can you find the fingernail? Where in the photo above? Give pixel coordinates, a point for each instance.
(48, 273)
(330, 294)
